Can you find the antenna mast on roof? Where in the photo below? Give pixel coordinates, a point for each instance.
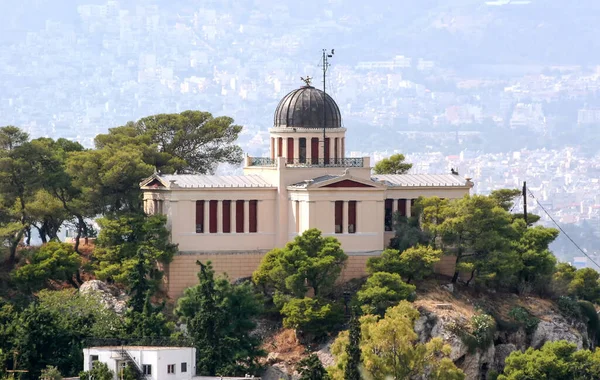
(325, 65)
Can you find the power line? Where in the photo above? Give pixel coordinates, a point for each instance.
(561, 229)
(518, 202)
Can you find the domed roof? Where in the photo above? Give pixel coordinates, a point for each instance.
(306, 107)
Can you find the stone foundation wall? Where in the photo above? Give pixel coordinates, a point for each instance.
(182, 271)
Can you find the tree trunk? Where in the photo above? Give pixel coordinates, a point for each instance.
(458, 257)
(72, 282)
(13, 248)
(471, 278)
(81, 229)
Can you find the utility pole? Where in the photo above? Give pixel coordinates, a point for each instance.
(525, 202)
(325, 65)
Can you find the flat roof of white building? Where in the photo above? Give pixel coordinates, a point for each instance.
(143, 348)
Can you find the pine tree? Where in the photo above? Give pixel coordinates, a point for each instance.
(311, 368)
(352, 371)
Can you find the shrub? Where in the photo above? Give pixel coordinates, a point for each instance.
(479, 334)
(413, 264)
(311, 316)
(569, 307)
(524, 318)
(383, 290)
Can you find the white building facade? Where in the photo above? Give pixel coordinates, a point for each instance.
(156, 363)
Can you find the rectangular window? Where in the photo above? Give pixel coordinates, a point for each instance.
(239, 217)
(147, 369)
(199, 217)
(339, 217)
(213, 217)
(183, 367)
(226, 217)
(253, 216)
(280, 147)
(327, 143)
(290, 150)
(302, 143)
(314, 150)
(171, 368)
(389, 203)
(351, 217)
(335, 147)
(402, 207)
(93, 358)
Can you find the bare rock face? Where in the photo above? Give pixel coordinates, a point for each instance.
(112, 297)
(476, 364)
(279, 372)
(556, 328)
(501, 353)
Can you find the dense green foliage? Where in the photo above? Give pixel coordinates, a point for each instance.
(46, 185)
(309, 261)
(219, 318)
(554, 361)
(310, 368)
(51, 262)
(390, 348)
(353, 354)
(128, 240)
(310, 315)
(383, 290)
(413, 264)
(51, 330)
(99, 371)
(392, 165)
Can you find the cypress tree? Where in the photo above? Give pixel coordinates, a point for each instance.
(352, 371)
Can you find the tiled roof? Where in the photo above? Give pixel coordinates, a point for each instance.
(420, 180)
(200, 181)
(322, 178)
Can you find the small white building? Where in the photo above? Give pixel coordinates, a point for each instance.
(156, 363)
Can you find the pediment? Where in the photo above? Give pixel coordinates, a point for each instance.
(348, 183)
(153, 182)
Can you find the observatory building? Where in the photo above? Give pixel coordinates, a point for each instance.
(306, 182)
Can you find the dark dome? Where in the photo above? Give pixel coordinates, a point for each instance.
(305, 108)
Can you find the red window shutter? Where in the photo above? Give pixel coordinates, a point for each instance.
(326, 158)
(290, 150)
(200, 217)
(389, 218)
(339, 210)
(213, 217)
(314, 150)
(351, 217)
(226, 217)
(280, 145)
(239, 217)
(402, 207)
(253, 216)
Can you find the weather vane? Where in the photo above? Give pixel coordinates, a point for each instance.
(306, 80)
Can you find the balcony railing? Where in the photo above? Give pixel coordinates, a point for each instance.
(262, 161)
(354, 162)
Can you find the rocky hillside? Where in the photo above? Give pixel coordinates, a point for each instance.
(448, 311)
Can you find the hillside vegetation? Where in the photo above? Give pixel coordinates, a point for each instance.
(497, 316)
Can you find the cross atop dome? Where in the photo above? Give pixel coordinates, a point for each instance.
(306, 80)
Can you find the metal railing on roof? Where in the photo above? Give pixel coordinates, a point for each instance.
(354, 162)
(262, 161)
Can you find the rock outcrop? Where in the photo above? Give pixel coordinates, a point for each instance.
(556, 327)
(112, 297)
